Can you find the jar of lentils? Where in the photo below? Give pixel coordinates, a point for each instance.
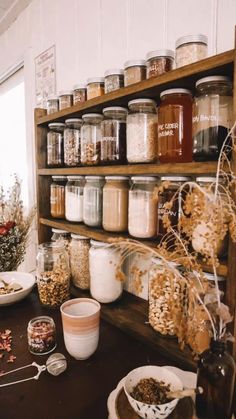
(79, 261)
(114, 79)
(55, 144)
(91, 139)
(92, 208)
(159, 62)
(113, 133)
(72, 142)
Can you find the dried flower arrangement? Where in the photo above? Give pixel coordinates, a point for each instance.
(14, 227)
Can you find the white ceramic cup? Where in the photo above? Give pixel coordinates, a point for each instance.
(80, 320)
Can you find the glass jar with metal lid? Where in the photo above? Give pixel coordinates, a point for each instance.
(190, 48)
(142, 131)
(52, 104)
(175, 126)
(74, 198)
(142, 213)
(55, 144)
(113, 133)
(61, 236)
(92, 208)
(65, 99)
(79, 261)
(79, 93)
(135, 71)
(115, 203)
(212, 116)
(91, 139)
(114, 79)
(57, 196)
(95, 87)
(159, 62)
(72, 142)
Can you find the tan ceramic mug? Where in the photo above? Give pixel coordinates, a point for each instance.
(80, 320)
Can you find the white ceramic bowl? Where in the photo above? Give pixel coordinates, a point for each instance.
(152, 411)
(24, 279)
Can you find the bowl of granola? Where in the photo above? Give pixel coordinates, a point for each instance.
(14, 286)
(147, 389)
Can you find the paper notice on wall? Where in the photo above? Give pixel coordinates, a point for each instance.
(45, 76)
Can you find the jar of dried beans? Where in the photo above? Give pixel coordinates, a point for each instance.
(65, 99)
(115, 203)
(91, 139)
(142, 131)
(92, 208)
(52, 104)
(72, 142)
(79, 261)
(79, 93)
(41, 334)
(95, 87)
(113, 132)
(175, 126)
(142, 214)
(53, 274)
(74, 198)
(190, 48)
(57, 196)
(135, 71)
(159, 62)
(55, 144)
(114, 80)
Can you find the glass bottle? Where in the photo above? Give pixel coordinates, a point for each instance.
(92, 207)
(216, 375)
(113, 130)
(55, 144)
(72, 142)
(91, 139)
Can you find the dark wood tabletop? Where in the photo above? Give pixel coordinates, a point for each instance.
(80, 392)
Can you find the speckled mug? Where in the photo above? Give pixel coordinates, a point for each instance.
(80, 320)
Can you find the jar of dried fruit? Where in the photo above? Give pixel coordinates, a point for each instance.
(79, 261)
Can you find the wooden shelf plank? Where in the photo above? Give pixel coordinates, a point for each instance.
(184, 77)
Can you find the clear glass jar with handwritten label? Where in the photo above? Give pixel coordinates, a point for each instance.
(55, 144)
(91, 139)
(72, 142)
(159, 62)
(92, 208)
(57, 196)
(113, 132)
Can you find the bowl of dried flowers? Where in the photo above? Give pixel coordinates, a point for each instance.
(14, 286)
(149, 389)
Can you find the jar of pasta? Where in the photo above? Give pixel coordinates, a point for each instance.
(65, 99)
(113, 133)
(57, 196)
(115, 203)
(72, 142)
(79, 261)
(92, 208)
(91, 139)
(135, 71)
(95, 87)
(55, 144)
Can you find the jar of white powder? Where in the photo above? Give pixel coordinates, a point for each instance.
(104, 264)
(92, 208)
(74, 198)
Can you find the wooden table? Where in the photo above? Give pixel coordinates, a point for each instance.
(79, 393)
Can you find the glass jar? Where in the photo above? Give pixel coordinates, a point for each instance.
(113, 133)
(95, 87)
(159, 62)
(92, 208)
(104, 261)
(115, 203)
(79, 93)
(55, 144)
(91, 139)
(72, 142)
(172, 183)
(79, 261)
(53, 274)
(61, 237)
(175, 126)
(190, 48)
(74, 198)
(135, 71)
(65, 99)
(52, 104)
(114, 79)
(212, 116)
(41, 333)
(57, 196)
(142, 131)
(142, 214)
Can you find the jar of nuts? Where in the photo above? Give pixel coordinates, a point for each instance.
(53, 274)
(79, 261)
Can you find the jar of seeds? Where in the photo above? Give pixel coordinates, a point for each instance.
(72, 142)
(53, 274)
(79, 261)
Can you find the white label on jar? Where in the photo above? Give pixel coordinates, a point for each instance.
(168, 129)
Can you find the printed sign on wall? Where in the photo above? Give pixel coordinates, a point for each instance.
(45, 76)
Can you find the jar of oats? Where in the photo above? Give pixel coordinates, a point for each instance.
(141, 131)
(53, 274)
(79, 261)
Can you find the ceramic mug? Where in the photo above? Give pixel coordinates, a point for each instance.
(80, 320)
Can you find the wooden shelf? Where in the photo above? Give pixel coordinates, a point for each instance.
(184, 77)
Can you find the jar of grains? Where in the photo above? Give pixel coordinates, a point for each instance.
(142, 131)
(142, 214)
(55, 144)
(175, 126)
(61, 237)
(74, 198)
(41, 333)
(190, 48)
(171, 185)
(104, 261)
(95, 87)
(72, 142)
(212, 116)
(91, 139)
(52, 104)
(135, 71)
(113, 132)
(115, 203)
(79, 261)
(92, 208)
(65, 99)
(114, 79)
(79, 93)
(163, 289)
(57, 196)
(53, 274)
(159, 62)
